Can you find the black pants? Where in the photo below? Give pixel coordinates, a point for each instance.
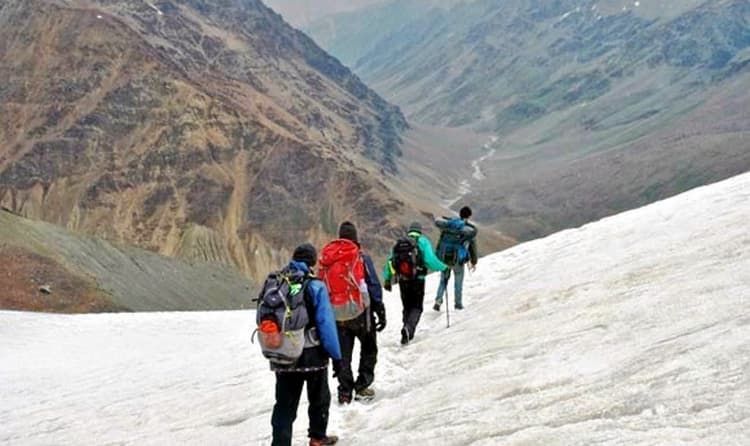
(288, 392)
(412, 297)
(362, 328)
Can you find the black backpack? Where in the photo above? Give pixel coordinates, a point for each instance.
(406, 259)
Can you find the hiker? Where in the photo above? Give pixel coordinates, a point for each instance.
(311, 367)
(411, 258)
(363, 328)
(456, 247)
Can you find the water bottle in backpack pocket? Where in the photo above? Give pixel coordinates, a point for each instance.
(269, 333)
(282, 317)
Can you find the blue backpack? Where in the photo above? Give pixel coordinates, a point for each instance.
(455, 235)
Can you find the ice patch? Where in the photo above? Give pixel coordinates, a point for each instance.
(158, 11)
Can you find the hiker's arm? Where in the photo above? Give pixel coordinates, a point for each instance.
(371, 277)
(470, 232)
(429, 257)
(325, 320)
(473, 251)
(441, 223)
(388, 270)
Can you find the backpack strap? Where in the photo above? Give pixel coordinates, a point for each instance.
(312, 338)
(308, 300)
(421, 268)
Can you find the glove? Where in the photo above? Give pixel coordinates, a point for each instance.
(473, 267)
(379, 309)
(337, 364)
(387, 286)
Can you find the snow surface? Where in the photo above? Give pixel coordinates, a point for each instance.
(631, 331)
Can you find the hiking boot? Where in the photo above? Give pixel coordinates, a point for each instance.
(364, 394)
(404, 336)
(459, 307)
(345, 398)
(436, 307)
(330, 439)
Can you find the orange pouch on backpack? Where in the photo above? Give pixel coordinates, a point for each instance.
(270, 334)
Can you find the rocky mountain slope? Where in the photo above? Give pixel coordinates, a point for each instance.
(203, 129)
(46, 268)
(598, 105)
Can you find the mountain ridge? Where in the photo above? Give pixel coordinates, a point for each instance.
(190, 128)
(575, 90)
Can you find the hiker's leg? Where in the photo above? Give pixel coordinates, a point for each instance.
(416, 305)
(405, 299)
(368, 357)
(319, 397)
(288, 392)
(346, 376)
(458, 284)
(444, 278)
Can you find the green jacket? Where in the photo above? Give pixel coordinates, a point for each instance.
(429, 258)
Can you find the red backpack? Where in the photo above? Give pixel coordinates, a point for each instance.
(343, 271)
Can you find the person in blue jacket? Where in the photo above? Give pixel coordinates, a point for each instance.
(363, 328)
(412, 290)
(456, 247)
(312, 366)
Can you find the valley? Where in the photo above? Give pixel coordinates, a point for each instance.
(218, 133)
(598, 106)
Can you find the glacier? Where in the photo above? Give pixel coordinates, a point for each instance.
(634, 330)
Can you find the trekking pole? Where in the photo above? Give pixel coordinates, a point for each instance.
(447, 308)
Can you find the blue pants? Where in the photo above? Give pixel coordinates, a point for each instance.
(458, 284)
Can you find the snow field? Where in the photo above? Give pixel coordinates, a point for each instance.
(634, 330)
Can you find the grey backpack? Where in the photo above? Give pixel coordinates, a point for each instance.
(282, 317)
